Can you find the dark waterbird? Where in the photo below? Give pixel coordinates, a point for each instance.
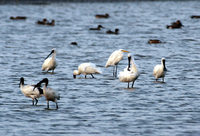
(98, 27)
(111, 32)
(102, 16)
(154, 41)
(43, 22)
(175, 25)
(195, 16)
(18, 18)
(52, 23)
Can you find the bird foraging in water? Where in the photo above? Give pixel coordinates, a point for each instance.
(114, 59)
(49, 93)
(87, 69)
(50, 63)
(28, 91)
(174, 25)
(111, 32)
(131, 73)
(159, 71)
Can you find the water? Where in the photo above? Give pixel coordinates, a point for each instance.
(103, 105)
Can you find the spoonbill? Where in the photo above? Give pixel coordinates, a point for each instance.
(50, 63)
(130, 74)
(87, 69)
(159, 71)
(114, 59)
(28, 91)
(49, 93)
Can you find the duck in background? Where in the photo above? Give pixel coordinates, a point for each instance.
(52, 23)
(175, 25)
(98, 28)
(102, 16)
(154, 41)
(43, 22)
(18, 18)
(195, 16)
(111, 32)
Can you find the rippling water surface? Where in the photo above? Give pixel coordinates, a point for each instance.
(103, 105)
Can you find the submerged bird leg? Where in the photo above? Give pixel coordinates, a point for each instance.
(128, 85)
(36, 101)
(85, 76)
(132, 84)
(47, 104)
(163, 79)
(92, 76)
(113, 71)
(56, 105)
(33, 101)
(116, 71)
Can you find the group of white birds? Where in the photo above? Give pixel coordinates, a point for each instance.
(130, 74)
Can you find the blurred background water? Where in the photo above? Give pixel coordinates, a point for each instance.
(103, 105)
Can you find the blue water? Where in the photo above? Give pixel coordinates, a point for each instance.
(103, 105)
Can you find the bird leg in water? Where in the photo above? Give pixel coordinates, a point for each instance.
(33, 101)
(36, 101)
(47, 104)
(116, 71)
(113, 71)
(132, 84)
(56, 105)
(92, 76)
(85, 76)
(128, 84)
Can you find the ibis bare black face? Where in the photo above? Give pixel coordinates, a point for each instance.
(165, 69)
(21, 81)
(49, 54)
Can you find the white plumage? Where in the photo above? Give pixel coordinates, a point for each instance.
(130, 74)
(159, 71)
(50, 63)
(49, 93)
(87, 69)
(114, 59)
(28, 91)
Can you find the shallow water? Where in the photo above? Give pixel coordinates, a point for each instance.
(103, 105)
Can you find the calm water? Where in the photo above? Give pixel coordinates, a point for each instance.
(101, 106)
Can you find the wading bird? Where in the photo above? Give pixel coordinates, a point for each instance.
(87, 69)
(50, 63)
(28, 91)
(49, 93)
(131, 73)
(159, 71)
(114, 59)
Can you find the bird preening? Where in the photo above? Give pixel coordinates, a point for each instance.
(50, 63)
(114, 59)
(131, 73)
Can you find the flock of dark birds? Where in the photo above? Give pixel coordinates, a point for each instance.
(35, 92)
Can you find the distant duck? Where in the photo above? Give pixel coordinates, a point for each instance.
(28, 91)
(111, 32)
(195, 16)
(87, 69)
(18, 17)
(159, 71)
(74, 43)
(102, 16)
(98, 28)
(131, 73)
(49, 93)
(50, 63)
(175, 25)
(43, 22)
(154, 41)
(52, 23)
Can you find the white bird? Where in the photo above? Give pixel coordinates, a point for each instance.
(50, 63)
(49, 93)
(87, 69)
(130, 74)
(28, 91)
(114, 59)
(159, 71)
